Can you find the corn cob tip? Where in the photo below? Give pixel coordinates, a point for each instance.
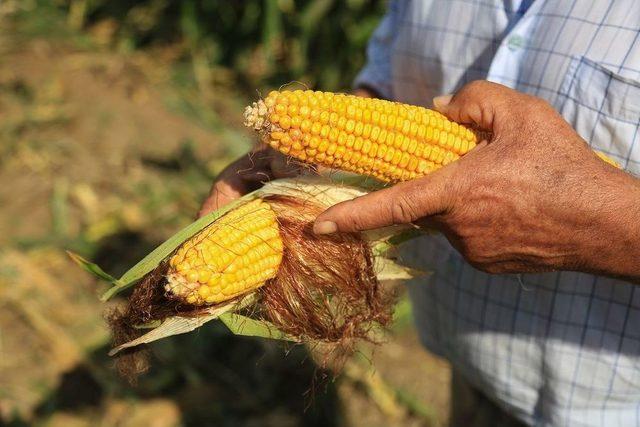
(181, 286)
(256, 116)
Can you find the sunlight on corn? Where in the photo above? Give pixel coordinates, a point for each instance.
(388, 140)
(234, 255)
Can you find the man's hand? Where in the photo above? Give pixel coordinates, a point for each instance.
(246, 174)
(534, 198)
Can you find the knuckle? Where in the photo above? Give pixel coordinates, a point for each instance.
(491, 268)
(469, 91)
(351, 224)
(402, 210)
(477, 85)
(486, 108)
(472, 251)
(345, 217)
(534, 105)
(486, 90)
(350, 217)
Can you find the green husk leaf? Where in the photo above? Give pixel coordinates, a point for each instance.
(181, 325)
(388, 269)
(349, 179)
(321, 190)
(92, 268)
(246, 326)
(396, 236)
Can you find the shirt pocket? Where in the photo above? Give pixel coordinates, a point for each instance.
(604, 108)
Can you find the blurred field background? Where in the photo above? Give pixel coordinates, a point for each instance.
(115, 116)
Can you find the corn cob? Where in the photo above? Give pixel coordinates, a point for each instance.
(234, 255)
(388, 140)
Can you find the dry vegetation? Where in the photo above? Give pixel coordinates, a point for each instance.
(107, 152)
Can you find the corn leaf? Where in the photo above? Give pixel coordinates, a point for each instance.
(384, 244)
(246, 326)
(318, 189)
(388, 269)
(181, 325)
(349, 179)
(93, 268)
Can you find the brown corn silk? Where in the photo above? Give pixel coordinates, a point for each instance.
(326, 288)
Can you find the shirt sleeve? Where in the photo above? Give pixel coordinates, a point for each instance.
(376, 73)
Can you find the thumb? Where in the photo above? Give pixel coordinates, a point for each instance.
(401, 204)
(479, 104)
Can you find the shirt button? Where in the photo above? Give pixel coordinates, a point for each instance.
(515, 42)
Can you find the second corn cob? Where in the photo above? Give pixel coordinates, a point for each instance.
(236, 254)
(388, 140)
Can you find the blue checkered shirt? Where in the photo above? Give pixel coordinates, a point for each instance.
(559, 349)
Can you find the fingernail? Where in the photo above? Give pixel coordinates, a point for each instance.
(442, 101)
(325, 227)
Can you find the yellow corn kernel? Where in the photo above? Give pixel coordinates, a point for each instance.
(388, 140)
(220, 261)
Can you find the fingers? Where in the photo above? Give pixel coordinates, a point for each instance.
(441, 102)
(478, 103)
(246, 174)
(237, 179)
(282, 167)
(230, 185)
(401, 204)
(222, 193)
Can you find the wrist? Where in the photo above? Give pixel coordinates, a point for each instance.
(612, 247)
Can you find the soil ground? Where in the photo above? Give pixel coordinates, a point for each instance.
(108, 154)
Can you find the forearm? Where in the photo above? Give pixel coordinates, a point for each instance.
(613, 247)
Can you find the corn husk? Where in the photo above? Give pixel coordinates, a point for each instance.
(321, 190)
